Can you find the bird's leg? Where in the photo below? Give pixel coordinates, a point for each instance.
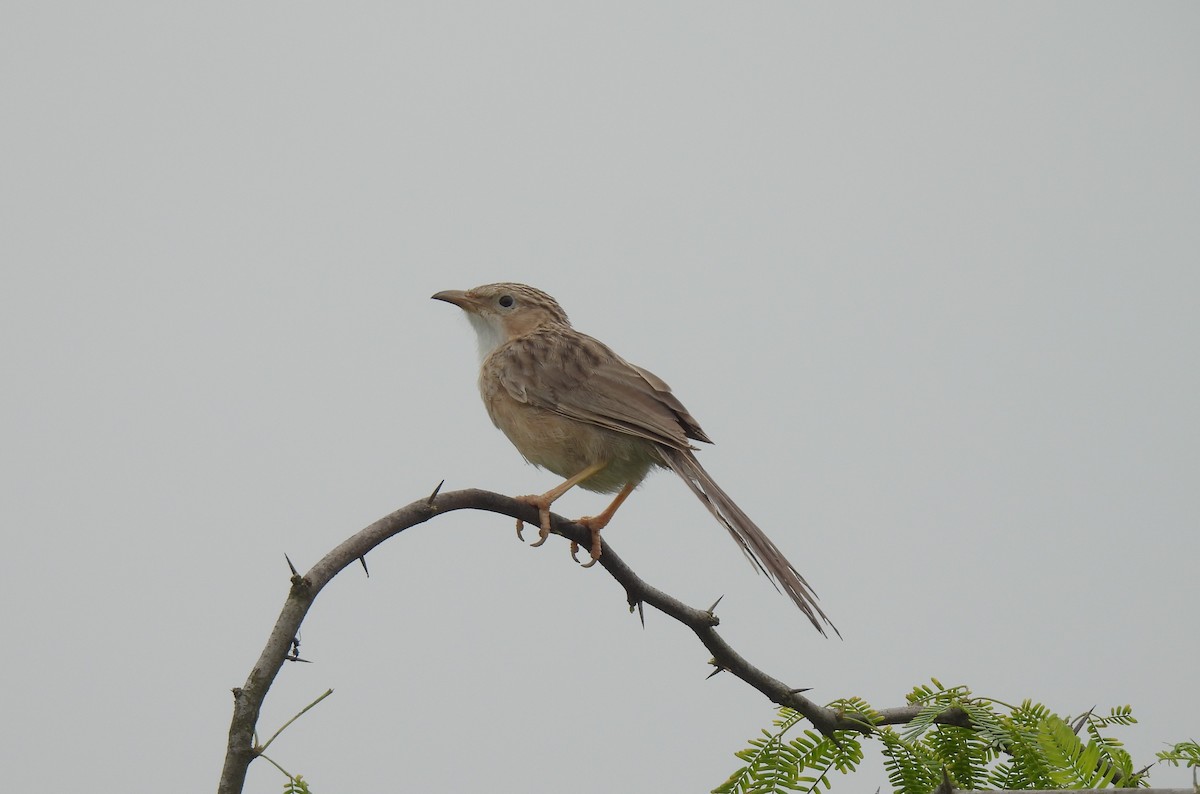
(543, 502)
(597, 523)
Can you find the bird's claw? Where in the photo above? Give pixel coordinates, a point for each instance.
(593, 525)
(543, 519)
(544, 529)
(595, 549)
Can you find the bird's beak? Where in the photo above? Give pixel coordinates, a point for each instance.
(459, 298)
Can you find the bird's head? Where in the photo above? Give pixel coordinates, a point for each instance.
(500, 312)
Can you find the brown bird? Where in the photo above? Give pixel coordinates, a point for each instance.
(570, 404)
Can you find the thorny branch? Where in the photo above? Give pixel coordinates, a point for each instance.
(248, 698)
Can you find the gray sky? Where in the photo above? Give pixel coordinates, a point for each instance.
(927, 274)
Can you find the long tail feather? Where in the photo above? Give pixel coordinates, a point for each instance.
(764, 554)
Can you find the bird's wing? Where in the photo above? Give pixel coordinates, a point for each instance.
(579, 377)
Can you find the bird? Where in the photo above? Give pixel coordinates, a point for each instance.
(571, 405)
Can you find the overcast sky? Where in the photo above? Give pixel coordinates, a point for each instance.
(928, 274)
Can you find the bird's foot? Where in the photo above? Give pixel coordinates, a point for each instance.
(594, 526)
(543, 506)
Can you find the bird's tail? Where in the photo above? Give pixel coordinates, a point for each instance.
(764, 554)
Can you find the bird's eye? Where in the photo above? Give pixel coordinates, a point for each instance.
(506, 301)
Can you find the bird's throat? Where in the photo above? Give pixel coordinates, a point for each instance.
(490, 332)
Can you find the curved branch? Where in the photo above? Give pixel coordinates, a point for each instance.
(248, 699)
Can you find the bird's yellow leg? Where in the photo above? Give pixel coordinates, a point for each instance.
(543, 502)
(597, 523)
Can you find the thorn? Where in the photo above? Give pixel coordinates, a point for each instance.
(294, 654)
(714, 606)
(1078, 724)
(801, 689)
(719, 669)
(363, 560)
(293, 567)
(433, 495)
(635, 603)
